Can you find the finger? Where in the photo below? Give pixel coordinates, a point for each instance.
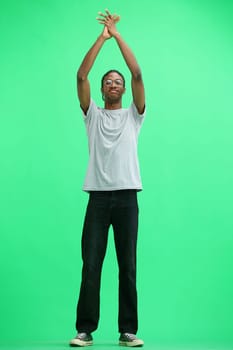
(108, 13)
(116, 18)
(100, 21)
(101, 14)
(101, 18)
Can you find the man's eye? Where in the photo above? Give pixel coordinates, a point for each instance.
(108, 82)
(118, 82)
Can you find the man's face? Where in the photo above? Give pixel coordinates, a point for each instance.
(113, 88)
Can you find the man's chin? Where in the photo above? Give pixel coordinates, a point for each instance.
(113, 99)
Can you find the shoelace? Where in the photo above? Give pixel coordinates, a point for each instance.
(81, 335)
(130, 336)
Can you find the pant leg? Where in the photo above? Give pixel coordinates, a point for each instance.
(125, 226)
(94, 243)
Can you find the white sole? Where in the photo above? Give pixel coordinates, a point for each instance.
(80, 343)
(135, 344)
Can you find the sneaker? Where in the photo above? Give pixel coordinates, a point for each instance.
(82, 339)
(128, 339)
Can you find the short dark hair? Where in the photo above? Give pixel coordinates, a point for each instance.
(112, 71)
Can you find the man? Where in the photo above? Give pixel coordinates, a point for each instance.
(112, 180)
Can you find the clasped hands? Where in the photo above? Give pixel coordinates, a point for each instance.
(109, 20)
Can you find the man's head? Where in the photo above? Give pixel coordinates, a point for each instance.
(112, 86)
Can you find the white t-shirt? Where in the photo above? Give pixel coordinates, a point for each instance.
(112, 139)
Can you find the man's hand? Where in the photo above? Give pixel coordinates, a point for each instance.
(109, 22)
(105, 33)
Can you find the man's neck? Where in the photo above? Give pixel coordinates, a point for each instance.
(113, 105)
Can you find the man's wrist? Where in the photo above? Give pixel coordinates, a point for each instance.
(117, 35)
(101, 38)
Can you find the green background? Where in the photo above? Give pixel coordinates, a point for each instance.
(185, 247)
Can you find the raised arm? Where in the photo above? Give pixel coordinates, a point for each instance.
(83, 85)
(136, 82)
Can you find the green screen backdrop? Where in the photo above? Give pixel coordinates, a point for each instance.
(185, 246)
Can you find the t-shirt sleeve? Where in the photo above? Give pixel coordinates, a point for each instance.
(90, 112)
(139, 118)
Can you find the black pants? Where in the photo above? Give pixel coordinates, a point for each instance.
(119, 209)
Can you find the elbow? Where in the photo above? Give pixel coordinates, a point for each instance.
(137, 75)
(81, 76)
